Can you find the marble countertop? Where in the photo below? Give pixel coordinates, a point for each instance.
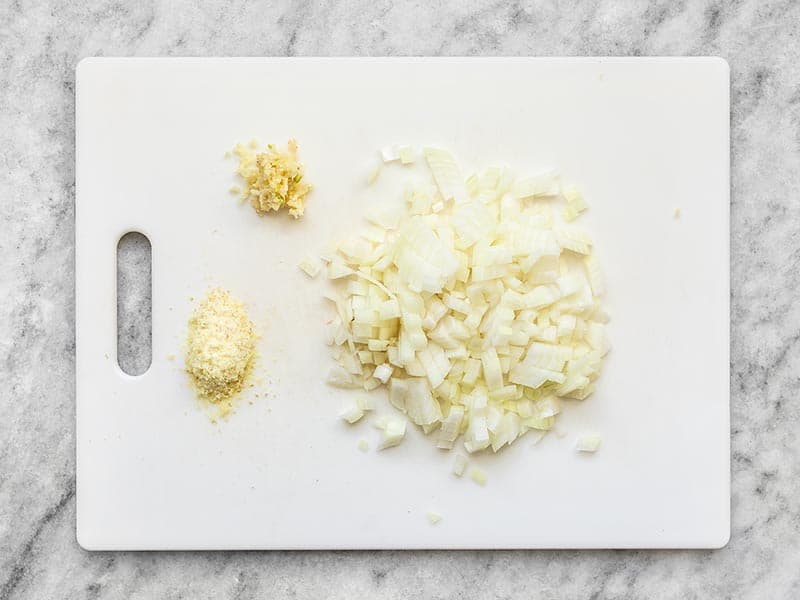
(40, 44)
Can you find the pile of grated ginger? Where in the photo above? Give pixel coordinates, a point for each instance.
(273, 179)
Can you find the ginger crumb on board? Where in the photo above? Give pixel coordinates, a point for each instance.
(220, 349)
(273, 179)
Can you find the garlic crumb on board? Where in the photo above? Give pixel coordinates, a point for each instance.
(273, 179)
(677, 212)
(220, 349)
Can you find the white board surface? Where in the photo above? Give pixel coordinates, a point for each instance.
(640, 137)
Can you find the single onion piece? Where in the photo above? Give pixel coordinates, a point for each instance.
(434, 517)
(588, 443)
(390, 153)
(310, 266)
(351, 412)
(393, 430)
(459, 465)
(478, 475)
(451, 427)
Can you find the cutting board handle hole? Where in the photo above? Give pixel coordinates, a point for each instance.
(134, 303)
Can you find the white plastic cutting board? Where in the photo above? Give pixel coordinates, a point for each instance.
(640, 137)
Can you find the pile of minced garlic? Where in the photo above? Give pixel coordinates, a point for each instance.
(220, 348)
(273, 179)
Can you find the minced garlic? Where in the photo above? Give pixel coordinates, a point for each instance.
(220, 348)
(273, 179)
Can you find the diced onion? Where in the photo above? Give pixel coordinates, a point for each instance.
(390, 153)
(373, 174)
(393, 430)
(383, 372)
(575, 203)
(351, 412)
(434, 517)
(544, 184)
(406, 154)
(588, 443)
(310, 266)
(473, 301)
(451, 427)
(459, 465)
(478, 475)
(338, 377)
(366, 402)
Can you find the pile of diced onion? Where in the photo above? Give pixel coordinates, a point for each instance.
(477, 303)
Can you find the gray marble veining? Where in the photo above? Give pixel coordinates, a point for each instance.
(40, 44)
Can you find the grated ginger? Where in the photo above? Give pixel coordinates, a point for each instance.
(220, 348)
(273, 179)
